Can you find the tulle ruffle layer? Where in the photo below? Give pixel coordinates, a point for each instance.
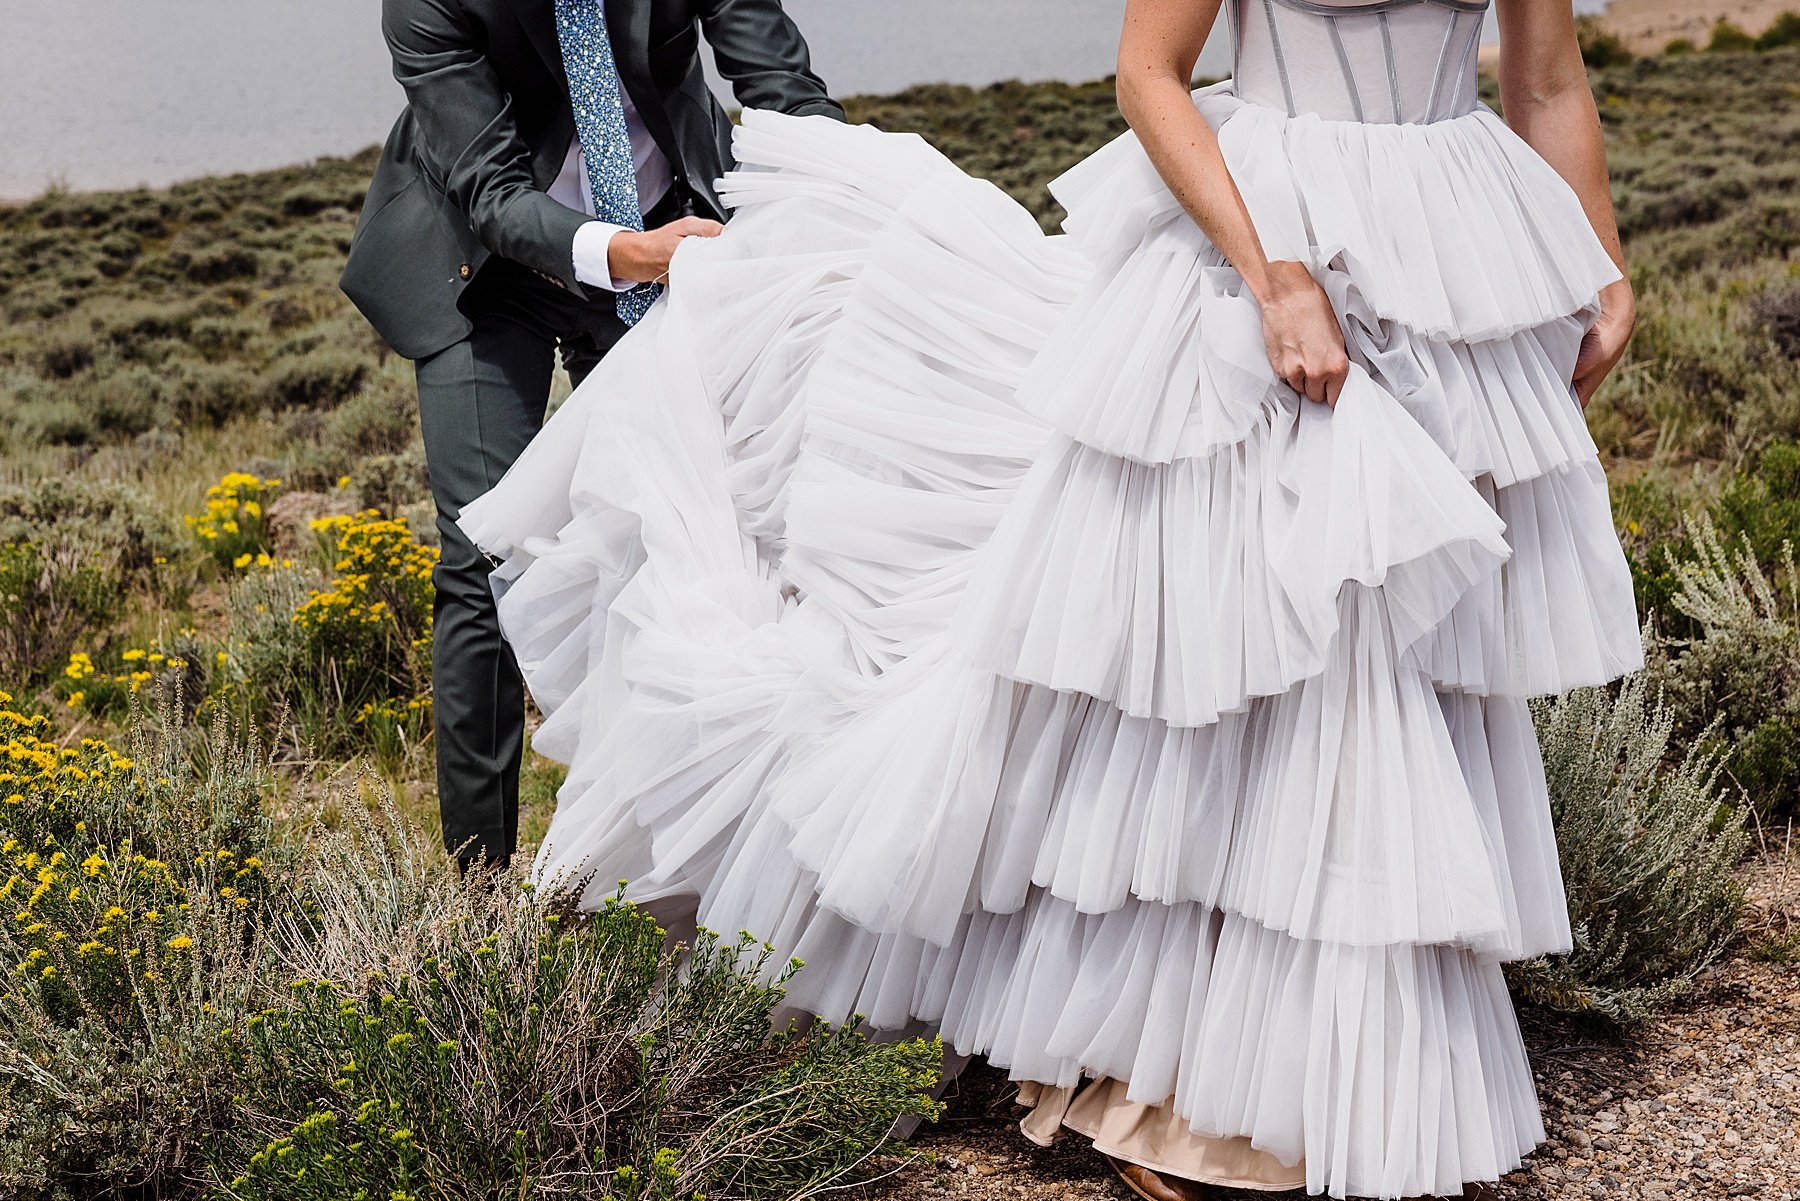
(1456, 230)
(1390, 1071)
(1124, 718)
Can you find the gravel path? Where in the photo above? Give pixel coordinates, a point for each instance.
(1702, 1103)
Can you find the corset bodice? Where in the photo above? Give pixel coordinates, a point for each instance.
(1397, 61)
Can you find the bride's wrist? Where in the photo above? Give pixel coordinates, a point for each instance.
(1280, 279)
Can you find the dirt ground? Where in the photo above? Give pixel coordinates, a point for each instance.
(1704, 1102)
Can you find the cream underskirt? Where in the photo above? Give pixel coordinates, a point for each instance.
(1153, 1136)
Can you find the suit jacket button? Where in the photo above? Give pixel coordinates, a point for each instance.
(465, 271)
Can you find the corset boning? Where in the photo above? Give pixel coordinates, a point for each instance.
(1396, 61)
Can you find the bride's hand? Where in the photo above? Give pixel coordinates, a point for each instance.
(1300, 330)
(1606, 340)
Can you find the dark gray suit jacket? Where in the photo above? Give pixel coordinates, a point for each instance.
(488, 124)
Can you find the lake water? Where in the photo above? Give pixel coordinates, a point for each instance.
(115, 93)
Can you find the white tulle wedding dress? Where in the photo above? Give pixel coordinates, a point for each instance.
(972, 614)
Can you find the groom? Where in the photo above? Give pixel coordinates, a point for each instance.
(552, 155)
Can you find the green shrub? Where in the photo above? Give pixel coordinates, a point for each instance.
(1649, 853)
(318, 379)
(129, 402)
(382, 419)
(50, 597)
(59, 422)
(207, 394)
(1681, 46)
(143, 887)
(1729, 37)
(425, 1008)
(1600, 47)
(393, 483)
(65, 353)
(1734, 684)
(114, 521)
(1784, 31)
(1777, 312)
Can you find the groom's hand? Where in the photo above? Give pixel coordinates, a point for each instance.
(644, 257)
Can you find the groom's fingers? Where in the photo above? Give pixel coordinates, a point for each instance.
(695, 227)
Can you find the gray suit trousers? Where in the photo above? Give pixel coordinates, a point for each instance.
(480, 401)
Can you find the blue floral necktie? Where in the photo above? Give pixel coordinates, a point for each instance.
(599, 101)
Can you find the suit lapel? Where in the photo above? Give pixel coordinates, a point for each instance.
(538, 18)
(628, 21)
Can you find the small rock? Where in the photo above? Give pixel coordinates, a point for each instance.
(290, 519)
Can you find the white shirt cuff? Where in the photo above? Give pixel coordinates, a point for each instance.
(593, 266)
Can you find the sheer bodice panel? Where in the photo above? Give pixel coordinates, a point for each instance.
(1394, 61)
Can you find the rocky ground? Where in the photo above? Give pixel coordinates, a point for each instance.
(1702, 1103)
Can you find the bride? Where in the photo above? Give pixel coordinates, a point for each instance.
(1111, 650)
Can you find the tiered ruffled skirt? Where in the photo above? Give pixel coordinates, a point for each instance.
(972, 615)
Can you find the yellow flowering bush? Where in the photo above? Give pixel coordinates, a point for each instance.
(47, 789)
(96, 925)
(357, 674)
(391, 727)
(90, 687)
(133, 896)
(383, 577)
(235, 521)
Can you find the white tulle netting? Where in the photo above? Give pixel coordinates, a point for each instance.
(972, 615)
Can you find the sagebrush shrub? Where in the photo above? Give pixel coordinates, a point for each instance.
(72, 555)
(1649, 854)
(1777, 310)
(1732, 677)
(1600, 47)
(423, 1007)
(50, 597)
(318, 379)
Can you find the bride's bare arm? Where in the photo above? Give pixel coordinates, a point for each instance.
(1161, 44)
(1544, 91)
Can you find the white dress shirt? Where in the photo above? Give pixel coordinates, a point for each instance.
(593, 241)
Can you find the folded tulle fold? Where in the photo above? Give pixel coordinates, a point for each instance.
(1362, 808)
(1181, 591)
